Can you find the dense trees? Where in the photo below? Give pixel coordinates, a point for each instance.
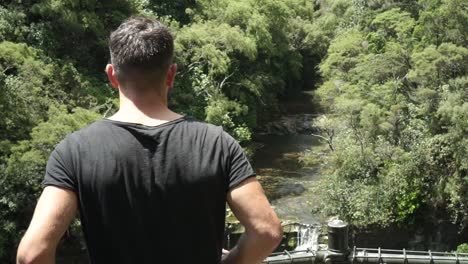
(394, 90)
(235, 59)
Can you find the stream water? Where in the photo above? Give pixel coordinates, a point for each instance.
(279, 145)
(287, 183)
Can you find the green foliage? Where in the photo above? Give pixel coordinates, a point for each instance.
(437, 65)
(85, 24)
(394, 90)
(343, 54)
(212, 46)
(236, 58)
(12, 24)
(23, 75)
(23, 172)
(463, 248)
(394, 24)
(176, 9)
(30, 83)
(397, 103)
(442, 21)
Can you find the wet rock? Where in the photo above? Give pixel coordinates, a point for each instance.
(294, 234)
(270, 185)
(292, 174)
(291, 189)
(291, 125)
(269, 172)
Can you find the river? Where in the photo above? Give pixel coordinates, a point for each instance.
(287, 183)
(281, 144)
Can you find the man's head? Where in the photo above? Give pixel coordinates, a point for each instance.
(141, 52)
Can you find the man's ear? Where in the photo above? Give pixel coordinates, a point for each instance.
(111, 76)
(170, 77)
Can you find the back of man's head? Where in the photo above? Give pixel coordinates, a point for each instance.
(141, 52)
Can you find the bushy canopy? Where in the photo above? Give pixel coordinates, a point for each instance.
(395, 88)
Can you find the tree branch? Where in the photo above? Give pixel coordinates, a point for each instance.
(329, 142)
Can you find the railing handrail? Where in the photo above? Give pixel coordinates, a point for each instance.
(370, 255)
(339, 253)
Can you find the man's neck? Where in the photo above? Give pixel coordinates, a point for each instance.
(150, 110)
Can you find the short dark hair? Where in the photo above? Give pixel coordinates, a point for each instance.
(141, 45)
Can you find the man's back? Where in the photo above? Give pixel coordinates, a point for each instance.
(142, 190)
(150, 193)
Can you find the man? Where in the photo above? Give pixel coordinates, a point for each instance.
(151, 185)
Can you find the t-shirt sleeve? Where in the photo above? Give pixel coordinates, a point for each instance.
(59, 170)
(238, 167)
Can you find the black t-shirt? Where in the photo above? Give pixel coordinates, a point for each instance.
(148, 193)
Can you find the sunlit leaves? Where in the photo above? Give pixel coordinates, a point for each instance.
(343, 54)
(12, 25)
(394, 24)
(442, 21)
(20, 179)
(22, 79)
(213, 45)
(399, 113)
(437, 65)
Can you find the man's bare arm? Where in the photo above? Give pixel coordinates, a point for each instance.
(55, 210)
(263, 230)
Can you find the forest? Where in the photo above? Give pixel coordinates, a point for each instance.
(391, 78)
